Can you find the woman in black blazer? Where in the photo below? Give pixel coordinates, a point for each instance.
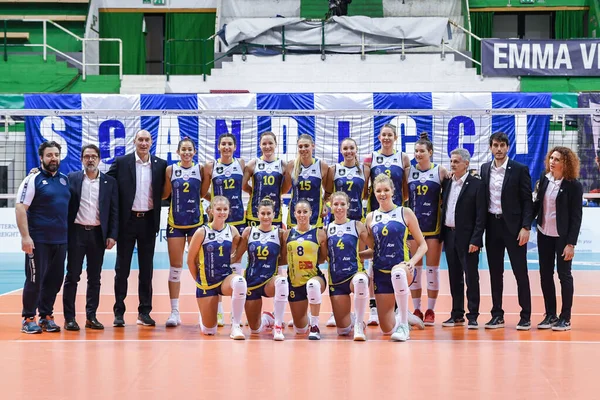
(558, 209)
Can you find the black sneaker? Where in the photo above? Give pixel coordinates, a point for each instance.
(495, 323)
(562, 325)
(548, 322)
(144, 319)
(450, 322)
(47, 324)
(119, 321)
(524, 325)
(472, 324)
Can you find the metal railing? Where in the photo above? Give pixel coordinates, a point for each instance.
(45, 46)
(322, 47)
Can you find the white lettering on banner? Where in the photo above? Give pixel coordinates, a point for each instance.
(542, 59)
(521, 136)
(287, 129)
(588, 58)
(498, 54)
(407, 132)
(518, 58)
(563, 57)
(49, 128)
(168, 131)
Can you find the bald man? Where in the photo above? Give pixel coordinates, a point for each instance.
(140, 178)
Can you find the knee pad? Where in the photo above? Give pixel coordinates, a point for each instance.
(282, 289)
(399, 281)
(301, 331)
(433, 278)
(208, 331)
(416, 285)
(174, 274)
(361, 286)
(238, 287)
(237, 268)
(345, 331)
(313, 291)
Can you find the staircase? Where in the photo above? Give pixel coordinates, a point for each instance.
(343, 73)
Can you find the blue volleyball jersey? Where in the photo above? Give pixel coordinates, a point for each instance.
(227, 181)
(308, 187)
(392, 167)
(263, 255)
(214, 257)
(303, 256)
(352, 182)
(343, 248)
(185, 210)
(424, 198)
(266, 182)
(391, 235)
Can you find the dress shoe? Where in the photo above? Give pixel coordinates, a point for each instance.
(450, 322)
(495, 323)
(93, 323)
(144, 319)
(119, 321)
(71, 325)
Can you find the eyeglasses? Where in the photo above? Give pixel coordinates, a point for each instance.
(92, 158)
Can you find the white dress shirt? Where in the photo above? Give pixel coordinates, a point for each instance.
(89, 204)
(496, 181)
(455, 189)
(548, 226)
(143, 185)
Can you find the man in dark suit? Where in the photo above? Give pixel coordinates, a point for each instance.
(463, 218)
(140, 177)
(510, 212)
(93, 226)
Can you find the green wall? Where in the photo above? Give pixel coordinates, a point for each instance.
(318, 8)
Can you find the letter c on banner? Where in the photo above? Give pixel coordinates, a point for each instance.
(461, 133)
(50, 128)
(108, 130)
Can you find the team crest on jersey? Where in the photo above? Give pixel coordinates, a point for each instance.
(332, 230)
(178, 173)
(415, 175)
(255, 235)
(211, 235)
(219, 170)
(377, 218)
(261, 166)
(379, 159)
(342, 172)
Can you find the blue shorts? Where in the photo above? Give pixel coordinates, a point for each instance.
(173, 232)
(258, 292)
(382, 281)
(299, 293)
(438, 237)
(340, 288)
(240, 227)
(216, 291)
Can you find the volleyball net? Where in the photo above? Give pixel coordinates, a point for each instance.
(532, 132)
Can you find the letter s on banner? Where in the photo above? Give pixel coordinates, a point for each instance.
(50, 128)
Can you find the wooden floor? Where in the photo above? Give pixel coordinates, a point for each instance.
(438, 363)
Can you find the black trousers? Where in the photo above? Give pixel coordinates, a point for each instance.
(141, 230)
(83, 243)
(550, 249)
(497, 239)
(462, 265)
(43, 278)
